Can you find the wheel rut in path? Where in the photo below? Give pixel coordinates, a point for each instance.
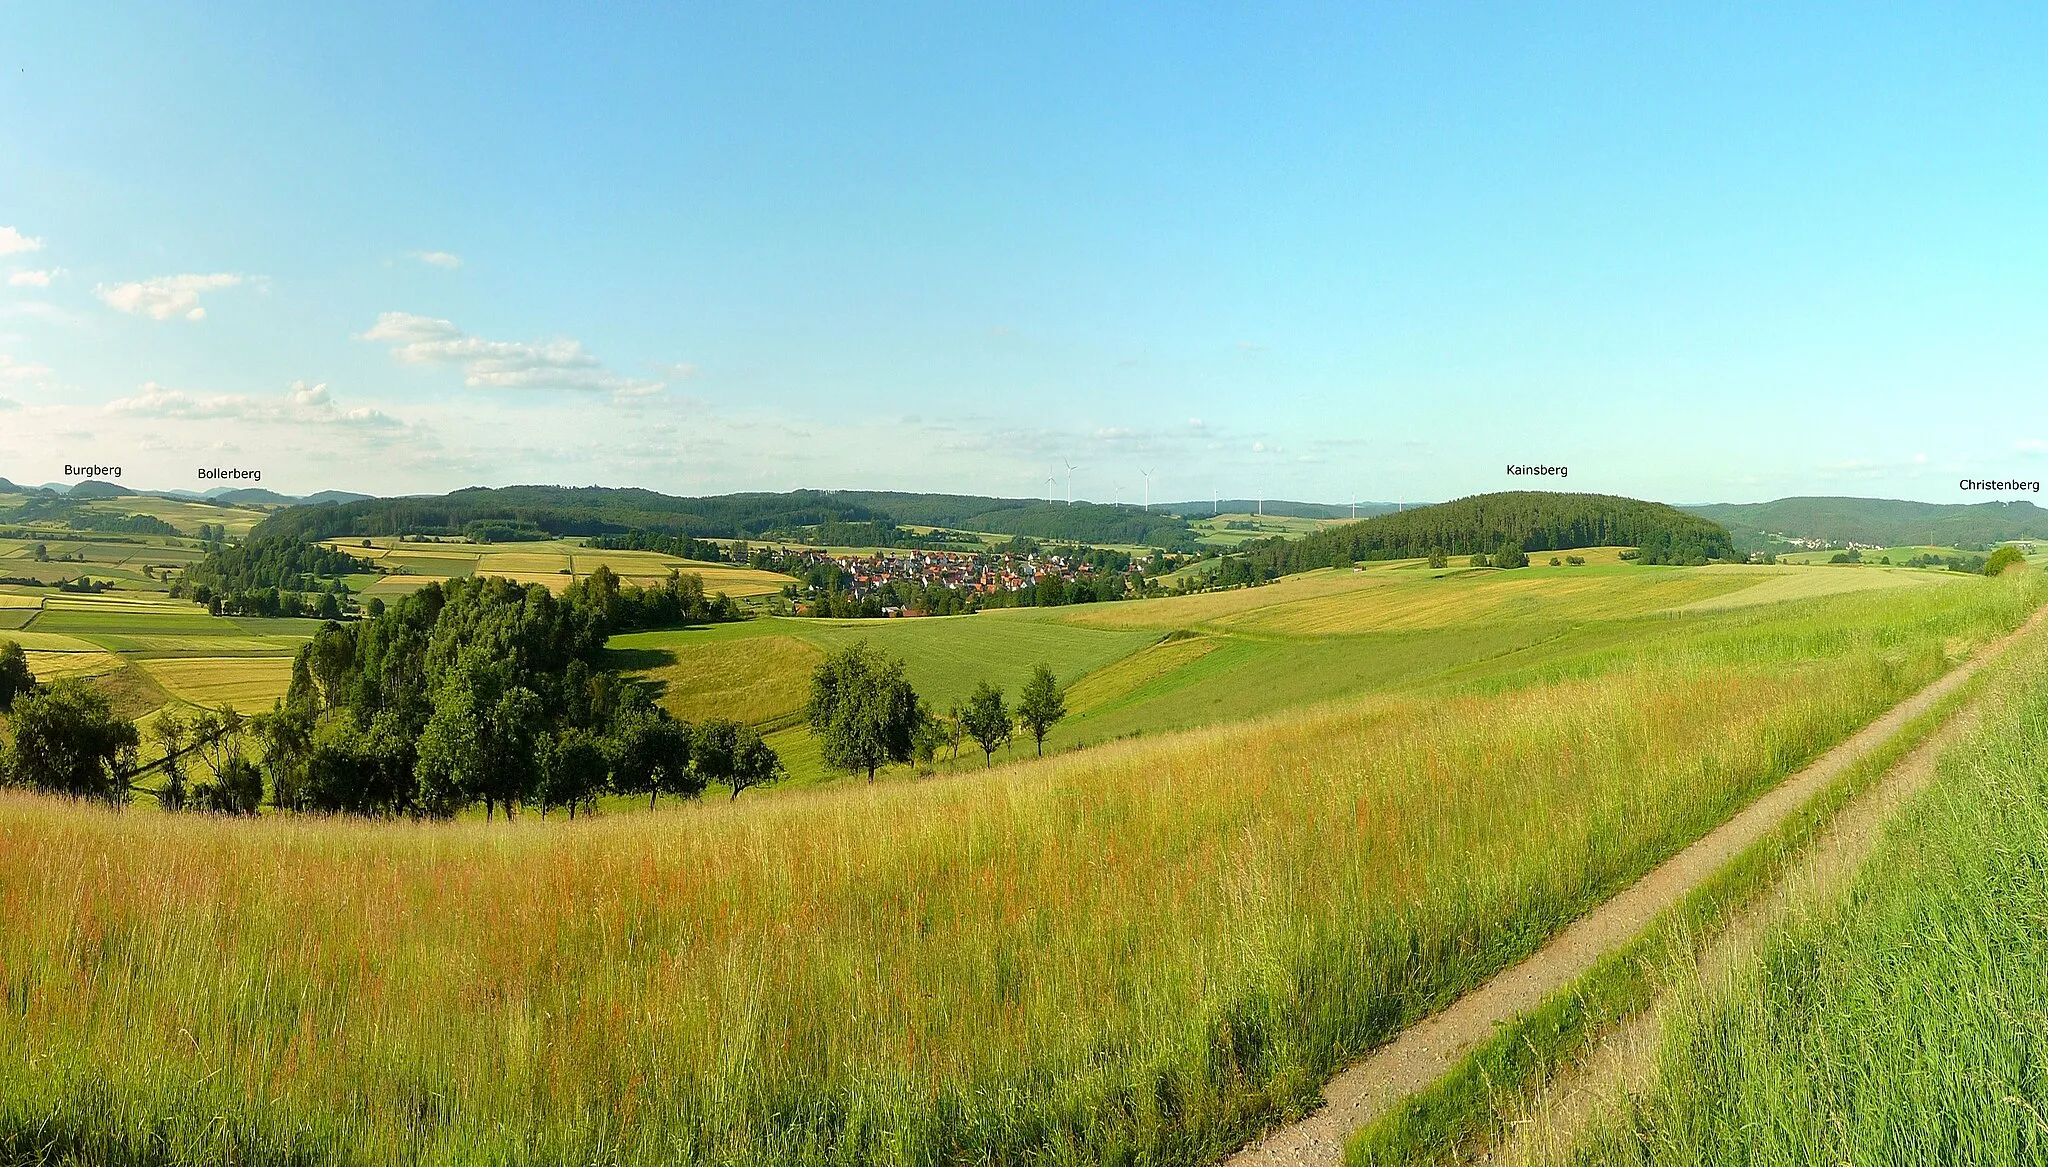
(1425, 1051)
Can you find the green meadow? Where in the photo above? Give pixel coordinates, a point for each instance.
(1142, 953)
(1155, 666)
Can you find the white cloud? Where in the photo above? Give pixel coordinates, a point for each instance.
(34, 279)
(167, 296)
(13, 370)
(13, 242)
(501, 364)
(2031, 446)
(301, 404)
(9, 403)
(447, 259)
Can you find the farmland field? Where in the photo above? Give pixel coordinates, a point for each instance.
(1314, 637)
(1140, 953)
(555, 564)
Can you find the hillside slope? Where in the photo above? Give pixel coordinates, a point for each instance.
(1884, 522)
(594, 510)
(1533, 520)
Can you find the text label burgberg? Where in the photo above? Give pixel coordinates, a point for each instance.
(92, 472)
(1552, 471)
(231, 472)
(2000, 484)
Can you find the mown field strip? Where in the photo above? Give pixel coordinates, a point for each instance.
(1425, 1051)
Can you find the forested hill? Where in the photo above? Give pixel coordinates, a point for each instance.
(1884, 522)
(516, 512)
(1532, 520)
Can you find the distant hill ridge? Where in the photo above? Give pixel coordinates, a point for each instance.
(1883, 522)
(595, 510)
(93, 488)
(1532, 520)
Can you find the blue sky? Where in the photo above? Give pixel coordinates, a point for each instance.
(1327, 252)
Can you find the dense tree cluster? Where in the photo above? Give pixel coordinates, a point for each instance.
(272, 575)
(679, 546)
(679, 599)
(481, 690)
(1524, 521)
(68, 740)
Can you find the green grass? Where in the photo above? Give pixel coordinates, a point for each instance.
(1319, 637)
(1458, 1115)
(1906, 1022)
(1139, 954)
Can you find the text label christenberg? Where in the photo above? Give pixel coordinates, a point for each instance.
(230, 473)
(1542, 471)
(2001, 485)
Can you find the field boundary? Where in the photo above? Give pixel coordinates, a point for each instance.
(1535, 990)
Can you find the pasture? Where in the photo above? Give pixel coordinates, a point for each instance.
(1145, 667)
(1229, 530)
(1136, 954)
(554, 564)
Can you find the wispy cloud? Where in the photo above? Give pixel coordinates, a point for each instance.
(13, 242)
(166, 296)
(502, 364)
(443, 259)
(301, 404)
(20, 371)
(34, 279)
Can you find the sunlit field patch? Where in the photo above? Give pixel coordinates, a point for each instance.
(1136, 953)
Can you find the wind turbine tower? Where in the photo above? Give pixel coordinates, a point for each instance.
(1052, 485)
(1070, 482)
(1148, 489)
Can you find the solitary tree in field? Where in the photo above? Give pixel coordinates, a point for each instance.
(863, 710)
(15, 677)
(2000, 559)
(1041, 705)
(987, 720)
(1437, 558)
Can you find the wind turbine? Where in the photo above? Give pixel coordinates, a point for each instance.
(1052, 485)
(1070, 482)
(1116, 494)
(1148, 488)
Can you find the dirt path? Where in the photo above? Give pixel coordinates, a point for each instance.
(1623, 1062)
(1428, 1049)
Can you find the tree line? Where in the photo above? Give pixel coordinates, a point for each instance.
(866, 714)
(465, 692)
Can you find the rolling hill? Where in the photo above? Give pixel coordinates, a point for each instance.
(1534, 520)
(1882, 522)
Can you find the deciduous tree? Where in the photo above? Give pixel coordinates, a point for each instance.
(987, 720)
(1040, 705)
